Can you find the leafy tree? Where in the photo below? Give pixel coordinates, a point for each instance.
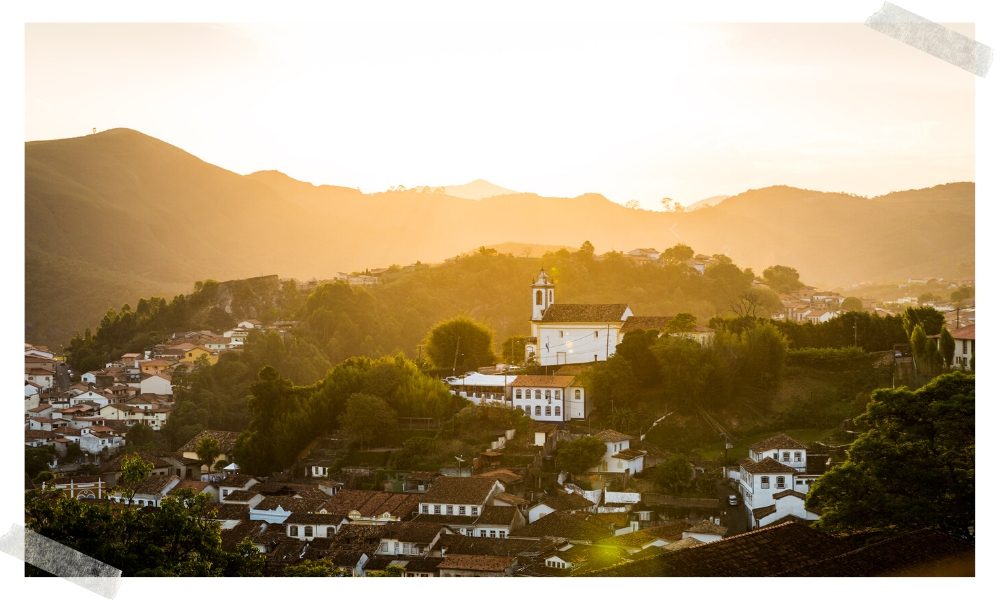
(782, 279)
(135, 470)
(207, 449)
(43, 477)
(390, 571)
(947, 346)
(682, 322)
(635, 348)
(852, 304)
(674, 474)
(512, 350)
(38, 459)
(580, 454)
(586, 250)
(677, 254)
(368, 418)
(962, 294)
(460, 344)
(140, 437)
(913, 467)
(925, 316)
(246, 560)
(315, 568)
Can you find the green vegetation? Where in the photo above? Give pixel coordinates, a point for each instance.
(580, 454)
(177, 539)
(913, 467)
(461, 345)
(316, 568)
(782, 279)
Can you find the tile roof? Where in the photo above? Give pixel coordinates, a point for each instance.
(707, 527)
(505, 476)
(610, 435)
(917, 553)
(629, 454)
(226, 439)
(637, 539)
(566, 525)
(154, 484)
(510, 546)
(778, 441)
(554, 381)
(241, 496)
(759, 553)
(634, 323)
(766, 466)
(566, 502)
(412, 531)
(511, 499)
(373, 503)
(237, 480)
(497, 515)
(308, 518)
(458, 490)
(763, 511)
(584, 313)
(784, 493)
(472, 562)
(410, 565)
(965, 333)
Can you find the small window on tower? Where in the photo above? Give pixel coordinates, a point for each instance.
(538, 297)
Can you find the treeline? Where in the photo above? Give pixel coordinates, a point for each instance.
(285, 418)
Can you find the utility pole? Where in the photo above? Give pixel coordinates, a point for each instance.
(454, 365)
(855, 332)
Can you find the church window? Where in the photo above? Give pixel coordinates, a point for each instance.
(560, 334)
(576, 394)
(550, 296)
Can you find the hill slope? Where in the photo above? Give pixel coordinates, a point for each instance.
(117, 215)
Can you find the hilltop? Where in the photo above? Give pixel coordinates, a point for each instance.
(119, 214)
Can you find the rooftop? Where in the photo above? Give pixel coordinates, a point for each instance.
(472, 562)
(779, 441)
(766, 466)
(459, 490)
(610, 435)
(584, 313)
(553, 381)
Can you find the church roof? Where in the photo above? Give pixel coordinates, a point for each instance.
(584, 313)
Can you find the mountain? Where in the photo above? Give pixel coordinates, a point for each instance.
(477, 190)
(707, 202)
(116, 215)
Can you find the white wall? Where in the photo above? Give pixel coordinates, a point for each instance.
(578, 342)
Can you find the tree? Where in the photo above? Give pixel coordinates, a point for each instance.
(913, 467)
(140, 436)
(460, 344)
(633, 204)
(962, 294)
(512, 350)
(246, 560)
(368, 418)
(947, 347)
(682, 322)
(674, 473)
(315, 568)
(207, 449)
(135, 470)
(576, 456)
(852, 304)
(37, 460)
(677, 254)
(782, 279)
(586, 249)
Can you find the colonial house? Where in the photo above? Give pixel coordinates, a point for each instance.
(618, 457)
(154, 366)
(234, 483)
(149, 492)
(100, 439)
(564, 334)
(309, 526)
(556, 398)
(479, 387)
(156, 384)
(559, 502)
(409, 539)
(41, 377)
(225, 439)
(92, 397)
(197, 352)
(465, 504)
(774, 481)
(965, 347)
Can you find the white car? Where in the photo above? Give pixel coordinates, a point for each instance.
(733, 500)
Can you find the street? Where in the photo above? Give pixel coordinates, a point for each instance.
(733, 517)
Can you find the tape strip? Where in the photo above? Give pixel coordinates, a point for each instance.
(934, 39)
(62, 561)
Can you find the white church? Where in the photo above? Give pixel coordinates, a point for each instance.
(566, 334)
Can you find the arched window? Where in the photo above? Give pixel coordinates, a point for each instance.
(538, 297)
(548, 411)
(538, 394)
(538, 411)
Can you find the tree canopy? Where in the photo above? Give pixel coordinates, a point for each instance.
(576, 456)
(782, 279)
(460, 344)
(913, 466)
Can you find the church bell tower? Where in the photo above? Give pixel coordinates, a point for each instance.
(543, 295)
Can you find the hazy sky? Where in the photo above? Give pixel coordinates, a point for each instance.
(632, 109)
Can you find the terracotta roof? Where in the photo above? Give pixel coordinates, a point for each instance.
(458, 490)
(373, 503)
(553, 381)
(472, 562)
(707, 527)
(505, 476)
(412, 531)
(451, 520)
(309, 518)
(198, 486)
(566, 501)
(965, 333)
(637, 539)
(766, 466)
(629, 454)
(511, 499)
(154, 484)
(410, 565)
(509, 546)
(584, 313)
(232, 512)
(226, 439)
(305, 503)
(241, 496)
(237, 480)
(789, 492)
(778, 441)
(567, 526)
(760, 553)
(610, 435)
(763, 511)
(634, 323)
(497, 515)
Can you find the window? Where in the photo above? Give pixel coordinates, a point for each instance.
(225, 492)
(538, 297)
(493, 533)
(437, 509)
(548, 411)
(307, 531)
(780, 482)
(475, 511)
(576, 394)
(548, 394)
(461, 510)
(423, 508)
(538, 411)
(448, 510)
(557, 411)
(550, 296)
(502, 533)
(775, 455)
(558, 394)
(517, 394)
(293, 530)
(798, 457)
(482, 533)
(538, 394)
(786, 456)
(596, 334)
(765, 482)
(560, 334)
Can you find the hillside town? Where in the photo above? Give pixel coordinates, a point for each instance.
(508, 511)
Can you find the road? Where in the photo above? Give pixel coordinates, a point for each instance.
(733, 517)
(62, 380)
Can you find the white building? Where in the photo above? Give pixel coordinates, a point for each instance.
(557, 398)
(479, 388)
(618, 457)
(965, 347)
(774, 481)
(156, 384)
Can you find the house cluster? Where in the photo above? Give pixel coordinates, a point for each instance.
(775, 478)
(812, 306)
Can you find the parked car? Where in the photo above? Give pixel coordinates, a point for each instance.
(733, 500)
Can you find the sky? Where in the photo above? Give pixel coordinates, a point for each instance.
(631, 108)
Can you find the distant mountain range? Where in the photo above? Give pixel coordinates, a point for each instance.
(706, 203)
(117, 215)
(477, 190)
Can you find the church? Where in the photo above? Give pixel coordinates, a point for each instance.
(567, 334)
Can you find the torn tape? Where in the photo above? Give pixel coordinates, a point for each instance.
(61, 560)
(934, 39)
